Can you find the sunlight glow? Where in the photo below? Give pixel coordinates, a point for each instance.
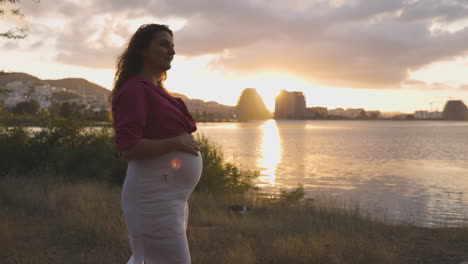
(448, 72)
(269, 84)
(202, 78)
(271, 151)
(176, 163)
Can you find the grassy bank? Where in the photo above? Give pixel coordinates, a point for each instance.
(46, 220)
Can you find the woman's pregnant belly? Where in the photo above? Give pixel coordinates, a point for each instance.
(173, 175)
(155, 194)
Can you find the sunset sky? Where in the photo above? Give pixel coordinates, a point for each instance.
(386, 55)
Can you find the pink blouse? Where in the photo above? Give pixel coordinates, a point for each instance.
(141, 109)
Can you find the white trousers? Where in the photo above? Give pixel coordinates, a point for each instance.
(155, 207)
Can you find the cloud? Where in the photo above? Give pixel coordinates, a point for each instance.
(89, 43)
(421, 85)
(433, 86)
(360, 43)
(435, 9)
(463, 88)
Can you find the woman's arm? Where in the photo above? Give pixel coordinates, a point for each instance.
(148, 148)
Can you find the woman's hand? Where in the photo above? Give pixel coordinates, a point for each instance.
(187, 143)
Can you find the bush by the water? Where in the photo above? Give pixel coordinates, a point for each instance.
(74, 149)
(61, 147)
(220, 176)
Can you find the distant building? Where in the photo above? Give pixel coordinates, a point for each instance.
(348, 113)
(337, 112)
(355, 112)
(22, 91)
(424, 115)
(374, 114)
(436, 115)
(421, 114)
(316, 112)
(290, 105)
(455, 110)
(42, 94)
(22, 87)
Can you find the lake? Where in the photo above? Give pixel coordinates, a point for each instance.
(413, 170)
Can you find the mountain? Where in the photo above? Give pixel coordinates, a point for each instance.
(77, 84)
(69, 83)
(251, 106)
(6, 77)
(95, 92)
(181, 96)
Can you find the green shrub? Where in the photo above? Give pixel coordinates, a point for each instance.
(74, 149)
(15, 152)
(62, 148)
(220, 176)
(293, 197)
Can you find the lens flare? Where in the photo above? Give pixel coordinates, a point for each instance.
(176, 163)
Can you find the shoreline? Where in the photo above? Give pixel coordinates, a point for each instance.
(83, 221)
(109, 124)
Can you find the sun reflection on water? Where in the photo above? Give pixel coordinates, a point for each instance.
(270, 152)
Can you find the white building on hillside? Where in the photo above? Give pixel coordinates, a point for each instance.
(424, 115)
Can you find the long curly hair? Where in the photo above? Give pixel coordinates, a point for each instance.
(130, 62)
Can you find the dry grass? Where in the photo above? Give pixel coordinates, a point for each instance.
(47, 221)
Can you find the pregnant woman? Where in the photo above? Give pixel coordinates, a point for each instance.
(153, 133)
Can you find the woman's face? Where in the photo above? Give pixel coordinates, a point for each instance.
(160, 52)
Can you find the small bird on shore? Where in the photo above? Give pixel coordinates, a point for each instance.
(239, 209)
